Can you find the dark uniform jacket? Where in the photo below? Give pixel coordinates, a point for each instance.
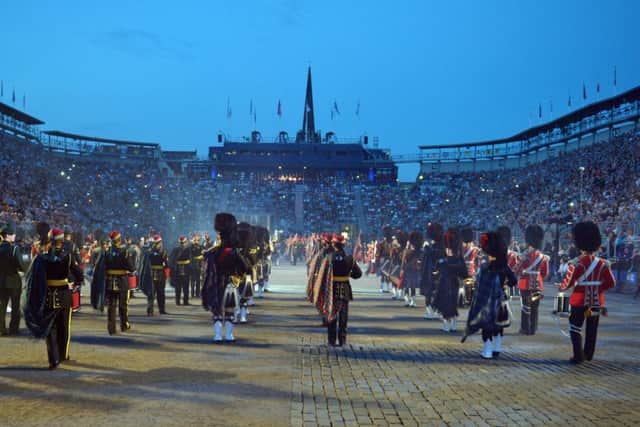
(117, 259)
(344, 267)
(10, 265)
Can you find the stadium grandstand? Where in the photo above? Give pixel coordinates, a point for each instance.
(582, 165)
(598, 122)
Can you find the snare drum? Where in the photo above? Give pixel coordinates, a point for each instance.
(561, 305)
(132, 282)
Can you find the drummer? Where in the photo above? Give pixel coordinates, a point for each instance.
(589, 276)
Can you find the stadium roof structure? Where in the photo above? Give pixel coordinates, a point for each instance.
(94, 139)
(573, 117)
(8, 110)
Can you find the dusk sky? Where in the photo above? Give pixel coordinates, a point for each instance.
(425, 72)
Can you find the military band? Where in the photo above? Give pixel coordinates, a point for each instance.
(436, 268)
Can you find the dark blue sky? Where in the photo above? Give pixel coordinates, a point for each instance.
(425, 72)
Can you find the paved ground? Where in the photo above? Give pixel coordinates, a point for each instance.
(397, 369)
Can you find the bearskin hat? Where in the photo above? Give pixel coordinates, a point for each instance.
(435, 231)
(586, 236)
(416, 239)
(224, 222)
(402, 238)
(505, 233)
(246, 235)
(466, 234)
(534, 236)
(452, 241)
(226, 225)
(493, 244)
(261, 235)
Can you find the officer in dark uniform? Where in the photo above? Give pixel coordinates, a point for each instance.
(72, 249)
(180, 262)
(158, 262)
(344, 268)
(117, 269)
(196, 265)
(48, 286)
(10, 281)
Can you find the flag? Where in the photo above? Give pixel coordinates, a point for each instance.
(335, 107)
(279, 111)
(24, 101)
(551, 106)
(540, 110)
(229, 114)
(1, 88)
(615, 77)
(569, 102)
(358, 109)
(332, 113)
(13, 97)
(598, 87)
(584, 91)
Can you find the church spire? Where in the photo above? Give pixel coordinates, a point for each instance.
(308, 122)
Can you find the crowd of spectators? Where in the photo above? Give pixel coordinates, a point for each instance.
(599, 182)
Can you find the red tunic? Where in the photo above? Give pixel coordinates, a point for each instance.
(600, 279)
(512, 260)
(527, 272)
(470, 258)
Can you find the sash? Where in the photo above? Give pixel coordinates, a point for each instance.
(530, 269)
(582, 280)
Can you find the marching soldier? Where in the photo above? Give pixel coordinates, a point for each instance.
(180, 262)
(589, 276)
(412, 267)
(49, 287)
(196, 265)
(117, 269)
(339, 294)
(225, 265)
(110, 284)
(531, 273)
(157, 263)
(470, 255)
(433, 252)
(11, 266)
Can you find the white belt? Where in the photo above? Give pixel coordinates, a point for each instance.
(587, 283)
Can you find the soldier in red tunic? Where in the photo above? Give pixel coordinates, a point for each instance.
(531, 272)
(589, 276)
(471, 260)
